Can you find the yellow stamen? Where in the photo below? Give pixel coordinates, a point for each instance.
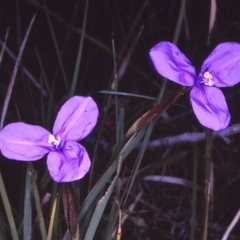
(208, 75)
(208, 79)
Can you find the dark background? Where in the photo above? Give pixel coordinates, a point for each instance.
(109, 20)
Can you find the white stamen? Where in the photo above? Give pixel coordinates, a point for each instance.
(53, 140)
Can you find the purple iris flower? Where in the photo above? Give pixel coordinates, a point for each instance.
(67, 160)
(220, 69)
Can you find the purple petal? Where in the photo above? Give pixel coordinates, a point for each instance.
(21, 141)
(69, 164)
(172, 64)
(210, 107)
(224, 64)
(76, 118)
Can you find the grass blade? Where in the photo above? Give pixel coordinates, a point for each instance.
(150, 115)
(135, 139)
(27, 218)
(79, 56)
(37, 202)
(56, 47)
(97, 215)
(53, 215)
(8, 210)
(14, 74)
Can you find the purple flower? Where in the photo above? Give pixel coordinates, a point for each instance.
(220, 69)
(67, 160)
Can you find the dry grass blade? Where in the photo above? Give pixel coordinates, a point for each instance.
(69, 211)
(212, 19)
(52, 217)
(170, 179)
(121, 218)
(155, 111)
(14, 74)
(231, 226)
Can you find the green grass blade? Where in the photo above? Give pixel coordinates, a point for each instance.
(8, 210)
(127, 94)
(179, 21)
(175, 40)
(100, 185)
(139, 160)
(2, 227)
(43, 73)
(27, 216)
(79, 56)
(97, 215)
(56, 47)
(37, 202)
(100, 130)
(112, 220)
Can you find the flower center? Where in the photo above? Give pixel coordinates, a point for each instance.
(53, 140)
(207, 79)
